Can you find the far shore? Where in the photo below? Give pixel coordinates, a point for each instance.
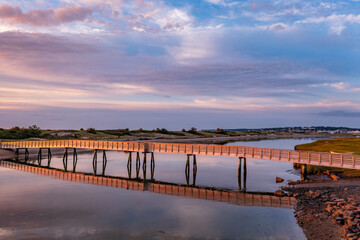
(228, 139)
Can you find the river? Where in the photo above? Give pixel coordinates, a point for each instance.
(35, 206)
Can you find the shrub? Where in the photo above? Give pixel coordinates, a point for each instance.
(20, 133)
(220, 131)
(91, 130)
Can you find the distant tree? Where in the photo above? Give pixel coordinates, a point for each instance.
(162, 130)
(21, 133)
(91, 130)
(183, 130)
(220, 131)
(193, 130)
(81, 129)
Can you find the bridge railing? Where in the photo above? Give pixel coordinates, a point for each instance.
(302, 157)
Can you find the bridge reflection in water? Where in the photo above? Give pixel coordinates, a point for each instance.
(240, 197)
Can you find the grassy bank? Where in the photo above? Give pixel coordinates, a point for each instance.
(339, 145)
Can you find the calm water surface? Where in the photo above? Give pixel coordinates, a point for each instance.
(41, 207)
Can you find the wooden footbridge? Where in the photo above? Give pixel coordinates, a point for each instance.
(204, 193)
(294, 156)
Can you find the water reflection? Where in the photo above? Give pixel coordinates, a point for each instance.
(168, 188)
(128, 203)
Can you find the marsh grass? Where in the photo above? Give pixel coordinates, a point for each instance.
(338, 145)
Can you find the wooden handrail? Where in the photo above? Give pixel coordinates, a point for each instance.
(344, 160)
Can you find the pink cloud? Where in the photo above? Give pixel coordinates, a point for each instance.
(46, 17)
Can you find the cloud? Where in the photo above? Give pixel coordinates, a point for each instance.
(340, 85)
(336, 22)
(48, 17)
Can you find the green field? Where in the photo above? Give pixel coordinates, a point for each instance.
(339, 145)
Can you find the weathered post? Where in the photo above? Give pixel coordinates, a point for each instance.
(137, 163)
(75, 158)
(95, 161)
(239, 174)
(144, 167)
(129, 163)
(303, 171)
(152, 166)
(244, 174)
(194, 170)
(65, 159)
(187, 169)
(104, 162)
(26, 154)
(49, 157)
(39, 157)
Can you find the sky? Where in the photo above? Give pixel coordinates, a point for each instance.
(112, 64)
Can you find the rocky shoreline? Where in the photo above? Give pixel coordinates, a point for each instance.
(327, 209)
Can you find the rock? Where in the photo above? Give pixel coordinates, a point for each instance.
(279, 193)
(330, 203)
(340, 220)
(317, 193)
(329, 209)
(279, 179)
(334, 177)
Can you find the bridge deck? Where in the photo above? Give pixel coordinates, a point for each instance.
(218, 195)
(302, 157)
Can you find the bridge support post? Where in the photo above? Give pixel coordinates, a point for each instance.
(144, 167)
(65, 159)
(137, 164)
(39, 157)
(242, 168)
(129, 163)
(187, 169)
(95, 161)
(75, 158)
(244, 174)
(152, 166)
(303, 171)
(49, 157)
(194, 169)
(104, 162)
(26, 154)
